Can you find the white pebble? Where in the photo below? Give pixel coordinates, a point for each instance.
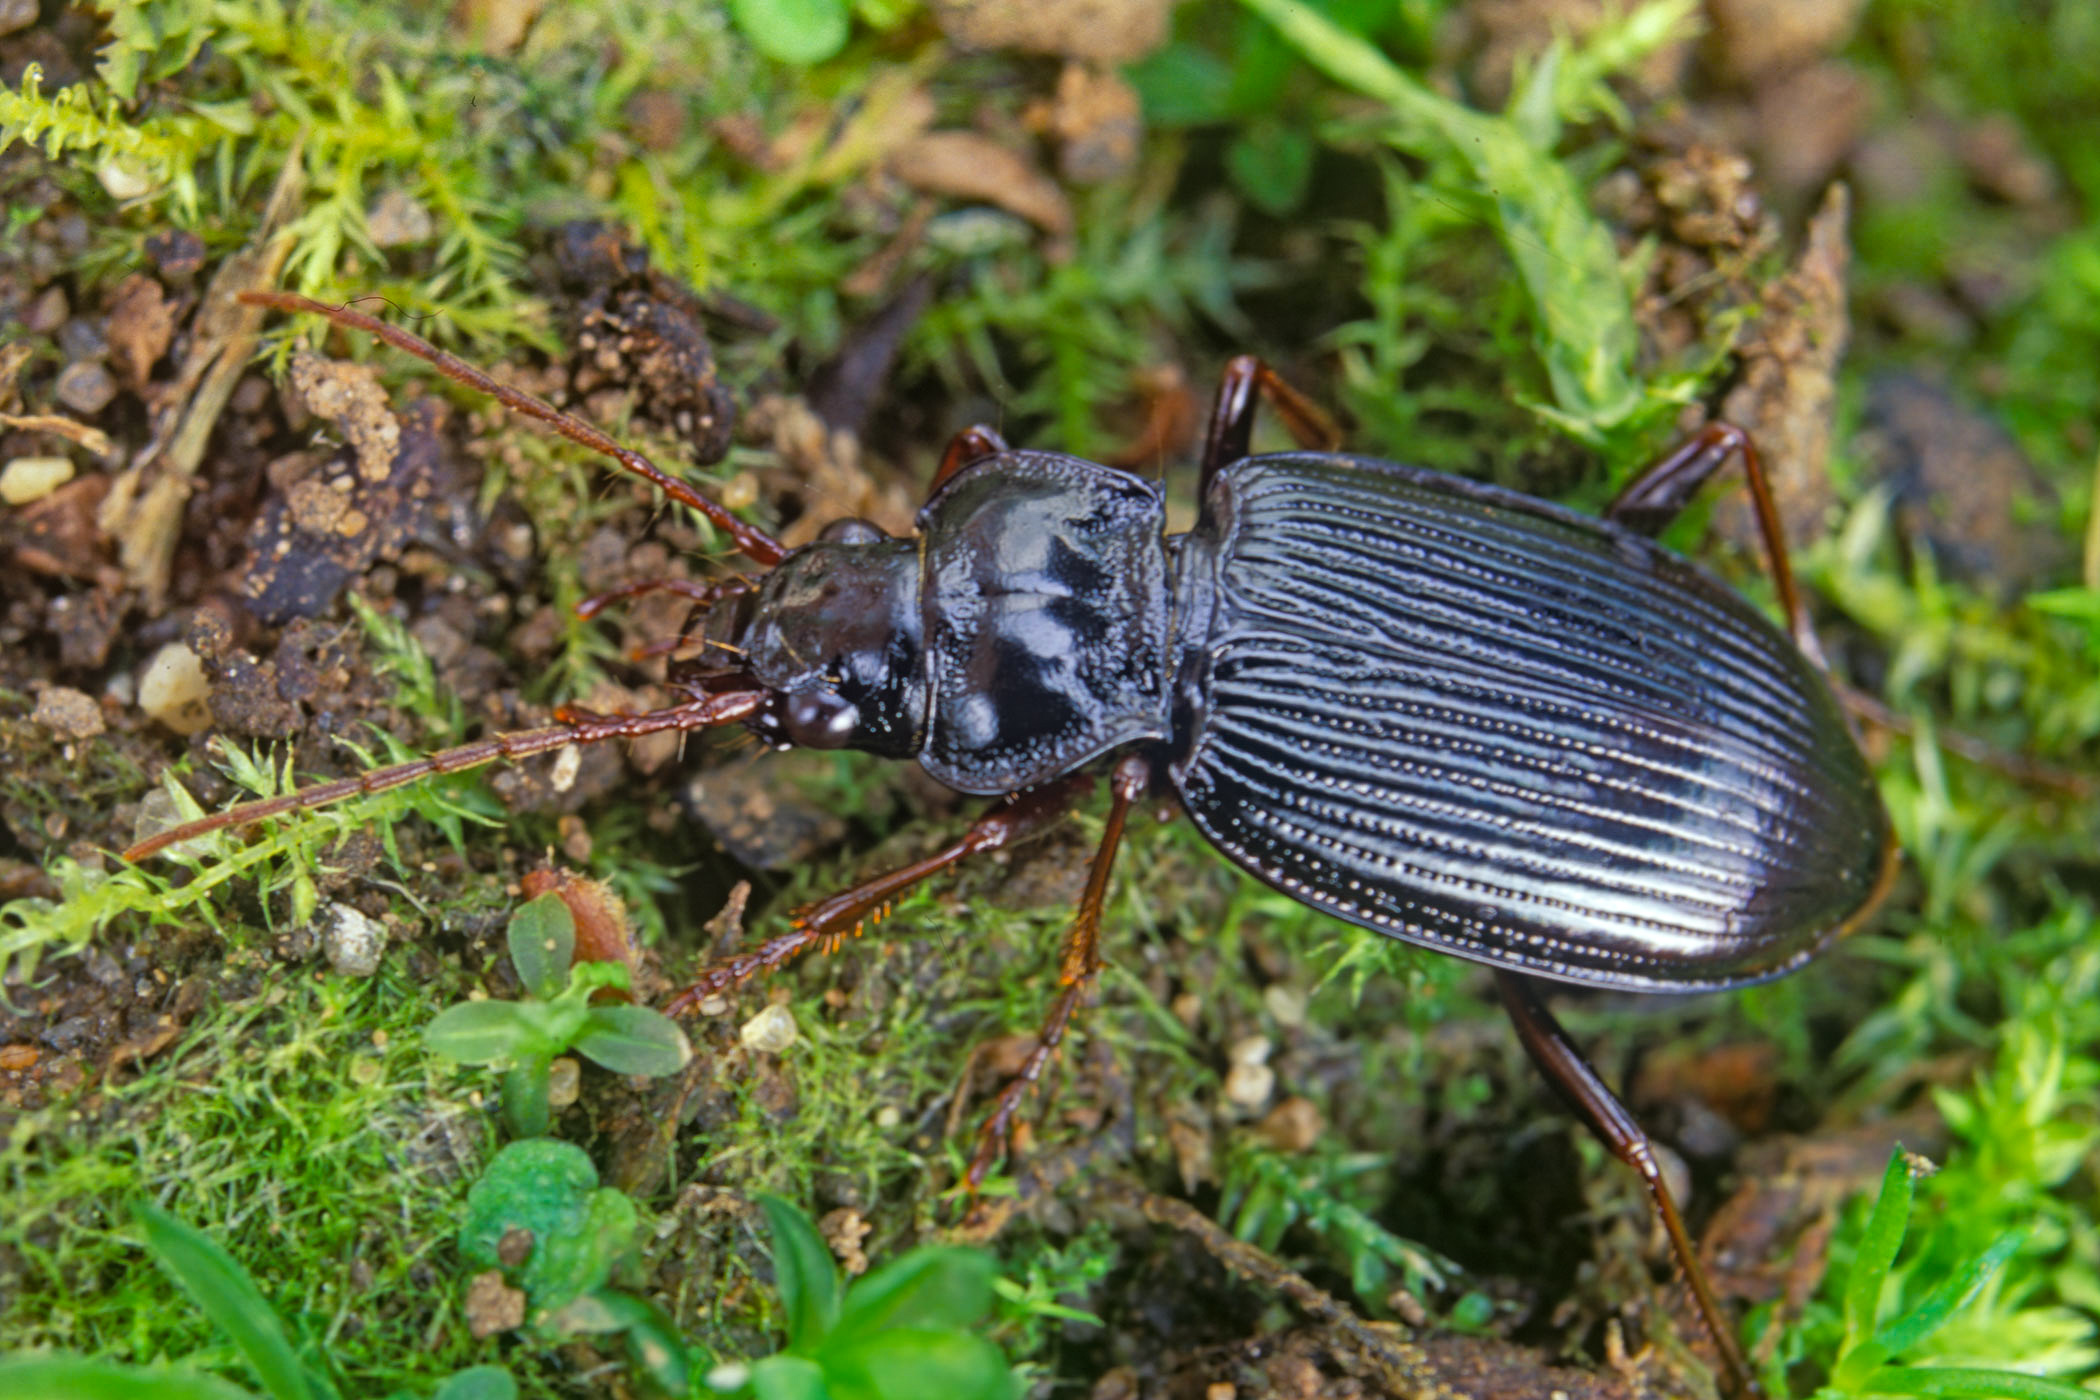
(564, 1082)
(771, 1030)
(173, 689)
(27, 479)
(352, 941)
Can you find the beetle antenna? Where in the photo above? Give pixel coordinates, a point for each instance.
(753, 543)
(705, 713)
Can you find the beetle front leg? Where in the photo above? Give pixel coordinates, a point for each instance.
(1578, 1082)
(830, 920)
(1078, 968)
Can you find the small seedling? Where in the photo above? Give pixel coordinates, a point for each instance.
(901, 1333)
(219, 1286)
(539, 1217)
(1866, 1357)
(556, 1017)
(1265, 1194)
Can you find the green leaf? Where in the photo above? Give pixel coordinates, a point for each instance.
(633, 1040)
(228, 1297)
(804, 1272)
(1953, 1294)
(788, 1378)
(654, 1343)
(1877, 1249)
(1182, 85)
(1970, 1381)
(542, 938)
(477, 1383)
(527, 1091)
(484, 1033)
(937, 1286)
(550, 1189)
(905, 1363)
(78, 1378)
(800, 32)
(1271, 164)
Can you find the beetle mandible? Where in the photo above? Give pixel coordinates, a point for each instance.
(1443, 711)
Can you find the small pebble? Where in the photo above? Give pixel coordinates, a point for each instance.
(397, 219)
(1250, 1081)
(178, 253)
(68, 713)
(173, 689)
(1249, 1086)
(352, 941)
(1292, 1126)
(771, 1030)
(1286, 1005)
(16, 14)
(49, 311)
(564, 1081)
(85, 387)
(27, 479)
(123, 178)
(82, 339)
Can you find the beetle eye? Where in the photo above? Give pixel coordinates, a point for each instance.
(852, 530)
(818, 719)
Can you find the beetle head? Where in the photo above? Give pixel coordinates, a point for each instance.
(835, 634)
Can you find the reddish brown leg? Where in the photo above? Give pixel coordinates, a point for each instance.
(1654, 498)
(1078, 965)
(1578, 1083)
(1244, 384)
(828, 920)
(705, 594)
(705, 713)
(965, 447)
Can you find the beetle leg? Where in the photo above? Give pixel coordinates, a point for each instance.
(1078, 965)
(1654, 498)
(1014, 817)
(1578, 1082)
(1241, 388)
(704, 712)
(704, 594)
(964, 448)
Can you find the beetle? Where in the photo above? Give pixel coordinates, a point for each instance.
(1445, 712)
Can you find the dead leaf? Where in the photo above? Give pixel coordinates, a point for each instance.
(141, 328)
(964, 165)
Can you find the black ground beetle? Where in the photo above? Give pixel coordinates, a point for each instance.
(1449, 713)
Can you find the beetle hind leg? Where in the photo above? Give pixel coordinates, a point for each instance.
(1578, 1082)
(971, 444)
(1246, 382)
(1650, 501)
